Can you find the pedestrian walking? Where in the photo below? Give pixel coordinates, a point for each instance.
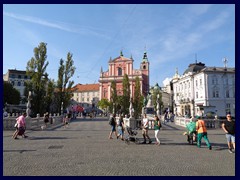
(46, 120)
(157, 126)
(145, 126)
(229, 128)
(66, 121)
(21, 126)
(112, 123)
(202, 133)
(120, 126)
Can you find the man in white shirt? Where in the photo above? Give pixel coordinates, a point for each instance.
(145, 129)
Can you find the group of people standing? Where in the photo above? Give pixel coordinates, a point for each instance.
(144, 124)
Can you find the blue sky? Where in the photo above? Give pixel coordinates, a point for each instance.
(173, 36)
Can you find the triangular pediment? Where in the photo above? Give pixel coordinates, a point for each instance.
(121, 58)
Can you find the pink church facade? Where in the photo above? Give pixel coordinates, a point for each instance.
(117, 68)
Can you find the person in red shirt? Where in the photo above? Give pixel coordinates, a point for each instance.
(202, 133)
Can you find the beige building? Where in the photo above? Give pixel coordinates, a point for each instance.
(86, 95)
(17, 78)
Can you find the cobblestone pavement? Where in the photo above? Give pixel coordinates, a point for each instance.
(83, 149)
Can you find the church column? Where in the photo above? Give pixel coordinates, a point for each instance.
(109, 91)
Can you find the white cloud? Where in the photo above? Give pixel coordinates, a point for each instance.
(59, 25)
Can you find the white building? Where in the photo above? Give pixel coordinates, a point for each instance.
(86, 95)
(204, 90)
(17, 78)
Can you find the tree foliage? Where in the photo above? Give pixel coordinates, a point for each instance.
(10, 94)
(36, 69)
(104, 103)
(64, 84)
(126, 95)
(138, 98)
(113, 99)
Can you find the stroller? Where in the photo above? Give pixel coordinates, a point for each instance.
(192, 137)
(191, 132)
(131, 137)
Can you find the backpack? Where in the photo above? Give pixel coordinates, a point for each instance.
(111, 121)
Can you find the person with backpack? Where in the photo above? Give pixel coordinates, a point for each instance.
(112, 123)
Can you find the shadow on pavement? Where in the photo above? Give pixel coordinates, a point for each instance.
(20, 151)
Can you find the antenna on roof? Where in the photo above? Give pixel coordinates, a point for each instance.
(196, 58)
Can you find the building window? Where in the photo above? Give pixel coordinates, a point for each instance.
(82, 99)
(144, 67)
(19, 83)
(119, 71)
(87, 99)
(200, 82)
(196, 94)
(19, 76)
(227, 93)
(215, 93)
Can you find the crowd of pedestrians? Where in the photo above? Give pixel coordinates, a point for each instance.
(199, 130)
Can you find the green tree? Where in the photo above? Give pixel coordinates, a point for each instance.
(138, 99)
(114, 98)
(155, 92)
(10, 94)
(36, 69)
(104, 103)
(126, 95)
(49, 101)
(64, 84)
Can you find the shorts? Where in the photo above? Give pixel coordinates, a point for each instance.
(120, 130)
(230, 138)
(113, 128)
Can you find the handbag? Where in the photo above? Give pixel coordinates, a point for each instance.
(16, 125)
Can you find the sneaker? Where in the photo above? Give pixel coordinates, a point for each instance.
(144, 142)
(210, 147)
(110, 138)
(150, 142)
(230, 151)
(117, 137)
(25, 136)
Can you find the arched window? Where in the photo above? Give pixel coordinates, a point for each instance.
(119, 71)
